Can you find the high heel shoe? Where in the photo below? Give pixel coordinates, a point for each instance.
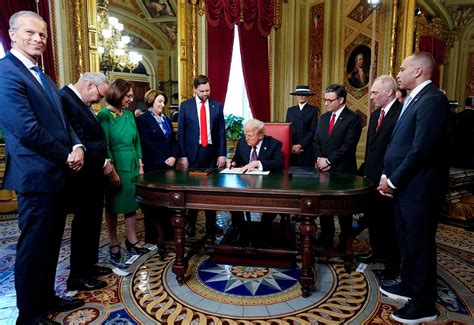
(138, 250)
(117, 255)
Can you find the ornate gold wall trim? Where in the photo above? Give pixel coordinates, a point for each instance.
(393, 39)
(57, 73)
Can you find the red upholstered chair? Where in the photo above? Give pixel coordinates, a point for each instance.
(281, 132)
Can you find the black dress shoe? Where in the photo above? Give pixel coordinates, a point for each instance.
(98, 270)
(47, 321)
(138, 250)
(370, 257)
(390, 272)
(85, 284)
(61, 304)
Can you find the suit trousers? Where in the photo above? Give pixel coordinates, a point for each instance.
(328, 229)
(416, 224)
(41, 219)
(206, 158)
(85, 228)
(382, 235)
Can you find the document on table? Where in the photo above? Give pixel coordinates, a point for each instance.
(248, 172)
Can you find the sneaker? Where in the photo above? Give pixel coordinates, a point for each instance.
(396, 292)
(411, 314)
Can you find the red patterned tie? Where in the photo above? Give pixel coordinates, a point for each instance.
(203, 123)
(379, 122)
(331, 123)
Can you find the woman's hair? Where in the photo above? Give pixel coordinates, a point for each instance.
(151, 95)
(118, 89)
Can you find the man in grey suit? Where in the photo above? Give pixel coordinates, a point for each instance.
(86, 199)
(41, 149)
(335, 143)
(380, 212)
(415, 175)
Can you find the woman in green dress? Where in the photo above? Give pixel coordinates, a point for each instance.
(124, 151)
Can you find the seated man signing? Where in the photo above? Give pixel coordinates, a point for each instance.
(259, 151)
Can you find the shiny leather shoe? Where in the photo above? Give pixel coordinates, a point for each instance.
(61, 304)
(85, 284)
(117, 255)
(98, 270)
(370, 257)
(162, 252)
(138, 250)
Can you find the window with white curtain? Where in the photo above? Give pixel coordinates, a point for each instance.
(236, 100)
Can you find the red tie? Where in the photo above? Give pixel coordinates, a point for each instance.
(379, 122)
(331, 123)
(203, 123)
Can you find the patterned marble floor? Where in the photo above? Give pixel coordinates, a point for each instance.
(224, 294)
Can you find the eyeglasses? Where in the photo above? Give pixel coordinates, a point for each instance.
(98, 91)
(330, 100)
(129, 96)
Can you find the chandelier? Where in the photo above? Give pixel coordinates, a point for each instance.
(113, 46)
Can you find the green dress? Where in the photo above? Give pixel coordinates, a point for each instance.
(123, 148)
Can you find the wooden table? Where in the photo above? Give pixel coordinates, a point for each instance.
(278, 192)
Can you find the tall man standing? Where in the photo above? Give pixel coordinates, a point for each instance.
(335, 143)
(201, 139)
(304, 119)
(85, 198)
(381, 212)
(41, 149)
(415, 175)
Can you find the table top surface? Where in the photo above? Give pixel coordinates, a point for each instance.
(321, 183)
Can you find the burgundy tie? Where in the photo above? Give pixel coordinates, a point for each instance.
(253, 154)
(331, 123)
(203, 123)
(379, 122)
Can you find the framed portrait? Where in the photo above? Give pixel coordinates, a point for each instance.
(357, 57)
(358, 66)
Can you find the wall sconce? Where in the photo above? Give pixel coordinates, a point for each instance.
(316, 20)
(375, 4)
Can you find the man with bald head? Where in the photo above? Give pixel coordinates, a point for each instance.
(414, 175)
(380, 213)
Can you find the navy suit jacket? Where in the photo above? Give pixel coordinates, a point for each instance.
(303, 125)
(155, 147)
(37, 138)
(340, 147)
(414, 158)
(88, 129)
(188, 128)
(270, 155)
(378, 140)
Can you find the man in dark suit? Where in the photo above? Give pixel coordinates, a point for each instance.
(335, 142)
(380, 213)
(41, 149)
(256, 151)
(304, 119)
(415, 175)
(201, 139)
(86, 199)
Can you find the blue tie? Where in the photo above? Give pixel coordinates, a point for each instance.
(46, 87)
(405, 105)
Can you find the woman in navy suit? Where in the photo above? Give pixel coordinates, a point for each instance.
(159, 149)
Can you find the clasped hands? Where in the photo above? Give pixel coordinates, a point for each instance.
(322, 164)
(385, 189)
(297, 149)
(75, 159)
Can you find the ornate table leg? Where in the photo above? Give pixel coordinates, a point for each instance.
(180, 265)
(308, 274)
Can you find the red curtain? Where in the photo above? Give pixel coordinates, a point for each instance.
(222, 16)
(9, 7)
(436, 47)
(254, 51)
